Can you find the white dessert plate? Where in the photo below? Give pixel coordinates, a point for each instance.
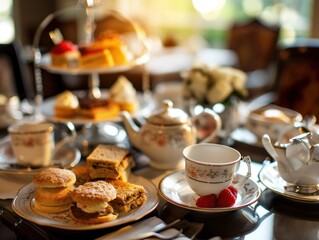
(23, 202)
(269, 176)
(66, 157)
(145, 108)
(174, 189)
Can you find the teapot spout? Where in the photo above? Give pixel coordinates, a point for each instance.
(132, 130)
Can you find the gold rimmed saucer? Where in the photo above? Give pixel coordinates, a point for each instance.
(174, 189)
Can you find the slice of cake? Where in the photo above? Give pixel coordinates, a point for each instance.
(98, 109)
(99, 58)
(66, 105)
(65, 54)
(129, 196)
(109, 162)
(123, 93)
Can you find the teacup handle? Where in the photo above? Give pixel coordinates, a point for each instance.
(208, 124)
(71, 136)
(246, 160)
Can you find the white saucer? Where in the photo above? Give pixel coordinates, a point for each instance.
(66, 157)
(269, 176)
(174, 189)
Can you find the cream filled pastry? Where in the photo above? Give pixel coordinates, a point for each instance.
(92, 202)
(66, 105)
(123, 93)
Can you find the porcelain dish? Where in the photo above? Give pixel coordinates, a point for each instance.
(269, 176)
(271, 119)
(22, 205)
(66, 157)
(174, 189)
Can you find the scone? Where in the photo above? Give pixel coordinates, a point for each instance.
(52, 200)
(54, 177)
(123, 93)
(65, 54)
(66, 105)
(92, 202)
(52, 194)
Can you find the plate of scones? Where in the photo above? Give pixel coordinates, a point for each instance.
(99, 193)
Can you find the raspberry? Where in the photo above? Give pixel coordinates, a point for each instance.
(226, 198)
(208, 201)
(233, 190)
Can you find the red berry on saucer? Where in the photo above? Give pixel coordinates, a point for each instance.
(233, 190)
(226, 198)
(208, 201)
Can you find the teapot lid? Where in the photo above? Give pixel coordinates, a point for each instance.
(168, 115)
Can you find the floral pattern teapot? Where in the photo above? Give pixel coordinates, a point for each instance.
(166, 133)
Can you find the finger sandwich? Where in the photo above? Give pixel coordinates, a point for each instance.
(109, 161)
(128, 197)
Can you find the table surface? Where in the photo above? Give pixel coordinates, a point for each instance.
(272, 217)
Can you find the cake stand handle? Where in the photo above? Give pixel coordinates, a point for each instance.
(94, 86)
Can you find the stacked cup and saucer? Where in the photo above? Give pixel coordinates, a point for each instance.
(209, 169)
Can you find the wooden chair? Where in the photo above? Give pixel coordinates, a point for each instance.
(19, 79)
(255, 44)
(297, 81)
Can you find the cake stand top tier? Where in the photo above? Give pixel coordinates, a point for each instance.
(84, 24)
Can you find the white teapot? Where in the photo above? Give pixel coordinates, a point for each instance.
(298, 158)
(166, 133)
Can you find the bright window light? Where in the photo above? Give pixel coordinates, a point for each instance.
(5, 6)
(208, 6)
(7, 30)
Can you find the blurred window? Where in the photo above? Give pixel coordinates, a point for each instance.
(212, 18)
(6, 21)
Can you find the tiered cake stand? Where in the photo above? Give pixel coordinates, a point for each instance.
(87, 15)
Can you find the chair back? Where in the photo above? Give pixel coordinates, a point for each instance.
(297, 78)
(18, 78)
(255, 44)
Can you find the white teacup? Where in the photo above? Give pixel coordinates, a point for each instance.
(33, 144)
(210, 168)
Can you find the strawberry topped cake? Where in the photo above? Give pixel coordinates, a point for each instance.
(65, 54)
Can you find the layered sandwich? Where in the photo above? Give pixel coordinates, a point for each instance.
(92, 202)
(129, 196)
(109, 161)
(52, 194)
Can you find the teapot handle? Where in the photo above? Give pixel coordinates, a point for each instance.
(207, 124)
